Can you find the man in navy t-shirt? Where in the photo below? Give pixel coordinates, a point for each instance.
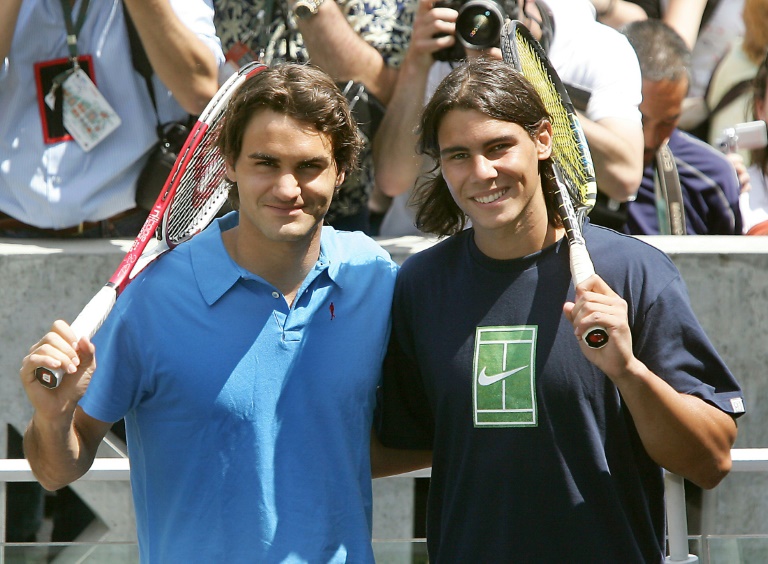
(544, 449)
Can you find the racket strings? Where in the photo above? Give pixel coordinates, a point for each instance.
(200, 192)
(567, 137)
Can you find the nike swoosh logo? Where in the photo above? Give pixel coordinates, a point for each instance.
(484, 380)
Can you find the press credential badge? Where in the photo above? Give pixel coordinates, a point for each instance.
(88, 117)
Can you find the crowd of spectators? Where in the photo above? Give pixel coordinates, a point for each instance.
(362, 45)
(382, 55)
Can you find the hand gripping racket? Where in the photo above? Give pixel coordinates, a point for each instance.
(192, 195)
(572, 162)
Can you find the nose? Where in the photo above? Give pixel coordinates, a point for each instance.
(483, 168)
(286, 187)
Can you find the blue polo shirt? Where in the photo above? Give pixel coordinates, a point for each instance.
(248, 421)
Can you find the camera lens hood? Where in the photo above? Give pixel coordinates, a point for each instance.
(479, 23)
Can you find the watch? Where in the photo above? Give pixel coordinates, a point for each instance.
(305, 9)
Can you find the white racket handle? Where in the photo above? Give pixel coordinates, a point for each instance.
(582, 268)
(85, 325)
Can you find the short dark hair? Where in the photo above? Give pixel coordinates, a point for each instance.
(495, 89)
(661, 52)
(302, 92)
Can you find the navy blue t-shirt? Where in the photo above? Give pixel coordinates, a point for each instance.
(535, 455)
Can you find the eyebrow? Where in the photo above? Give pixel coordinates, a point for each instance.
(320, 159)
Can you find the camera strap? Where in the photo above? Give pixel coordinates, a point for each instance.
(142, 65)
(73, 27)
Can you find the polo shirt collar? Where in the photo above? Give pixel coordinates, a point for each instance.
(215, 272)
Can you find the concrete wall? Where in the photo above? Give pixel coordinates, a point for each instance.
(726, 276)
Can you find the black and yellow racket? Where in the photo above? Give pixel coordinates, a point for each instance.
(571, 159)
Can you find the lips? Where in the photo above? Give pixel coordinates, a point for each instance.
(490, 197)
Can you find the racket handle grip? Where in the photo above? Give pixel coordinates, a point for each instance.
(582, 268)
(85, 325)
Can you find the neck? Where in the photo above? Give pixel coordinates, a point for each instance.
(284, 264)
(517, 241)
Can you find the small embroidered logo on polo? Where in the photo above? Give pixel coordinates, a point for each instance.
(332, 310)
(504, 378)
(737, 404)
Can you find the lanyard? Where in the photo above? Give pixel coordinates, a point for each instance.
(73, 28)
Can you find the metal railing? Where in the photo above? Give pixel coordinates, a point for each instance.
(744, 460)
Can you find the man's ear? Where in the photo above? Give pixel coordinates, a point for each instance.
(544, 139)
(230, 168)
(340, 178)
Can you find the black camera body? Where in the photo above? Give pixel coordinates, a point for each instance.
(478, 25)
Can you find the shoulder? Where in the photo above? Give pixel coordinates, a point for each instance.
(693, 152)
(354, 249)
(443, 256)
(626, 256)
(683, 143)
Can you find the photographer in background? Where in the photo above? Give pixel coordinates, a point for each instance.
(79, 180)
(593, 60)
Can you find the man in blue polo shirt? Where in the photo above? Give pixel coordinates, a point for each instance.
(248, 411)
(708, 181)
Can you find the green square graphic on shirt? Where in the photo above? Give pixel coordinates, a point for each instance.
(504, 377)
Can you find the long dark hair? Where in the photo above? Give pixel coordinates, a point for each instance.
(495, 89)
(302, 92)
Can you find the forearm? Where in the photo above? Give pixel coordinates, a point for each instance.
(684, 16)
(184, 63)
(9, 15)
(616, 146)
(396, 163)
(340, 51)
(55, 452)
(681, 433)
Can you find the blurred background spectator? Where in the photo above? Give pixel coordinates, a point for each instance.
(754, 203)
(710, 186)
(51, 186)
(729, 94)
(708, 27)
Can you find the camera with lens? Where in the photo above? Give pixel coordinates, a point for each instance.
(478, 25)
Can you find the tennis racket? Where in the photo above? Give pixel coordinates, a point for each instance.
(193, 194)
(670, 206)
(572, 162)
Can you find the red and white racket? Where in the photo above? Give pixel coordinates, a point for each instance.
(192, 195)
